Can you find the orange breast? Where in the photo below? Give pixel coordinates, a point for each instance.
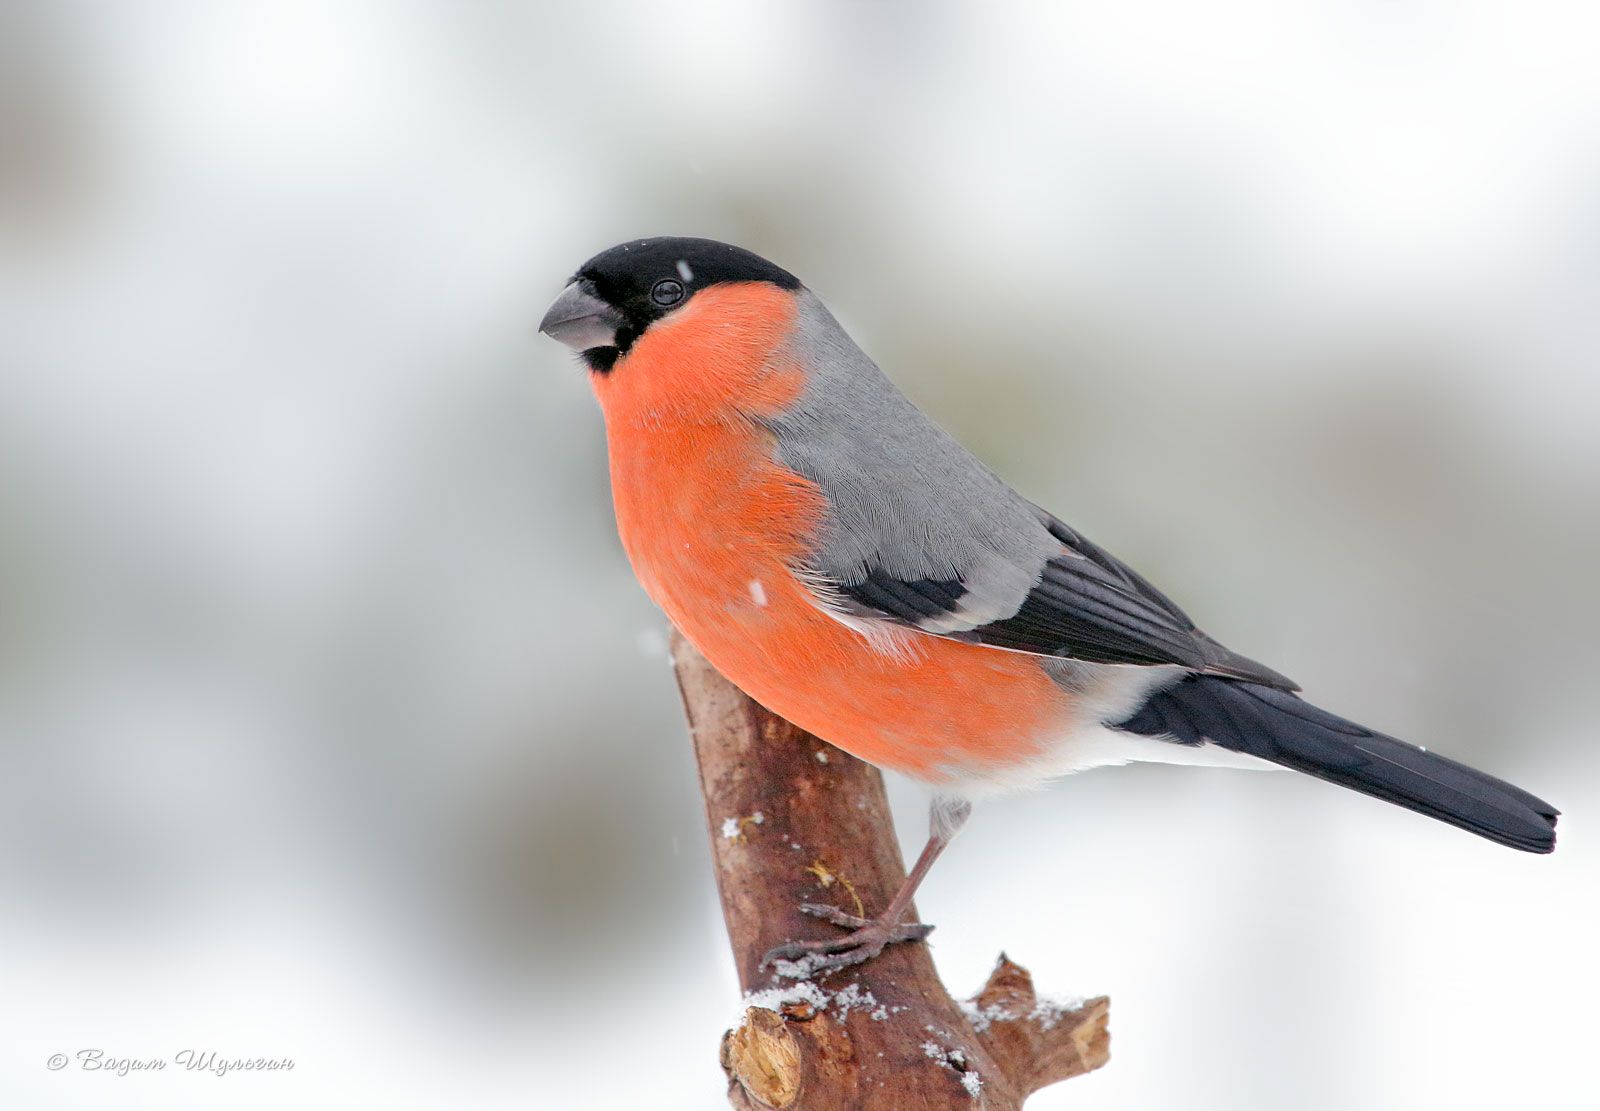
(713, 526)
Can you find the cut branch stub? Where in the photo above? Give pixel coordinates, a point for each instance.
(1038, 1041)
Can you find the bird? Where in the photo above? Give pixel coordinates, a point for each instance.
(846, 563)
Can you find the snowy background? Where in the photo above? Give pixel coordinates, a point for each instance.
(333, 725)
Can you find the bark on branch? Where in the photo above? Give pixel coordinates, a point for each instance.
(793, 820)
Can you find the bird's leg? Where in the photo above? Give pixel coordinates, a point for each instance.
(868, 937)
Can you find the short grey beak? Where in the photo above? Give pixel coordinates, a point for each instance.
(581, 320)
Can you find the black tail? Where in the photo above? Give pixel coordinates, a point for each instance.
(1278, 726)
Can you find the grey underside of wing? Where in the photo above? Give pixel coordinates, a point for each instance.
(920, 533)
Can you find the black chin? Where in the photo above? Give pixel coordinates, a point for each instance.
(601, 359)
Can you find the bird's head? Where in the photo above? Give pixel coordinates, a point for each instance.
(620, 295)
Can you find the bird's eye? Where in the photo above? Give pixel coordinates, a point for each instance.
(667, 292)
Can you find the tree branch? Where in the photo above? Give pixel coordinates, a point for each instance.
(794, 820)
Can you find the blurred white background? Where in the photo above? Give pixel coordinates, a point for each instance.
(333, 725)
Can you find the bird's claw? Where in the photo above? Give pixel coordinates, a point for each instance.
(801, 960)
(833, 914)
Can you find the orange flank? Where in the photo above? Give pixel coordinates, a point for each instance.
(714, 525)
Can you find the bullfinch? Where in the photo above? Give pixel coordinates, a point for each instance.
(839, 557)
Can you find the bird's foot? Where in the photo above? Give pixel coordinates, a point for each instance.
(801, 960)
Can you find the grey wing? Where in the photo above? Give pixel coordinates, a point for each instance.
(1086, 605)
(1093, 606)
(920, 534)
